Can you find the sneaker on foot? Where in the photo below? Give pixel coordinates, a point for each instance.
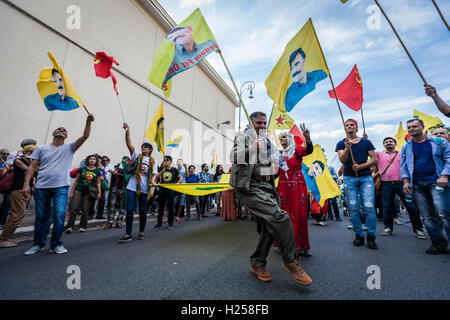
(59, 250)
(82, 230)
(297, 273)
(434, 249)
(322, 223)
(8, 244)
(157, 226)
(387, 231)
(338, 219)
(68, 230)
(421, 235)
(397, 221)
(34, 249)
(170, 227)
(125, 238)
(141, 236)
(261, 273)
(350, 226)
(364, 227)
(107, 226)
(359, 241)
(371, 242)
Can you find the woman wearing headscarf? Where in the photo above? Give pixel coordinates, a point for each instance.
(292, 187)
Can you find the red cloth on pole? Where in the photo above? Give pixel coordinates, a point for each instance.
(350, 91)
(298, 136)
(102, 65)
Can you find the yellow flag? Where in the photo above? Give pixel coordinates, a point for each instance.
(184, 46)
(279, 120)
(428, 121)
(196, 189)
(400, 137)
(318, 177)
(155, 131)
(55, 88)
(299, 69)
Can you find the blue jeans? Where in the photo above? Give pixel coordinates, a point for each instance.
(357, 188)
(333, 206)
(42, 198)
(428, 198)
(140, 201)
(388, 192)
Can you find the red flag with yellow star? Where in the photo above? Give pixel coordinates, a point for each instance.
(279, 120)
(350, 91)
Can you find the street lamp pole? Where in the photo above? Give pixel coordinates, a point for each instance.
(250, 85)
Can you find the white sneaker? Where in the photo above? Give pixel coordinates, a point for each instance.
(350, 226)
(387, 231)
(82, 230)
(322, 223)
(59, 250)
(34, 249)
(421, 235)
(397, 221)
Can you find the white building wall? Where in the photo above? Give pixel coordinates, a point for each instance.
(125, 30)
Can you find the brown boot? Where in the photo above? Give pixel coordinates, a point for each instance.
(297, 273)
(261, 273)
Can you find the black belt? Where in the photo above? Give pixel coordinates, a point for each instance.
(394, 182)
(261, 178)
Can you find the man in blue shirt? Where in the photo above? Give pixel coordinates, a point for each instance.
(204, 177)
(424, 168)
(302, 82)
(353, 153)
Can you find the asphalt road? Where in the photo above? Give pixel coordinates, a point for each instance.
(210, 260)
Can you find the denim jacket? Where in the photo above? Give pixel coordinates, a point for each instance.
(440, 152)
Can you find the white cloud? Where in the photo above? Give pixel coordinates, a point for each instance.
(195, 3)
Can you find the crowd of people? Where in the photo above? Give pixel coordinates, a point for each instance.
(370, 181)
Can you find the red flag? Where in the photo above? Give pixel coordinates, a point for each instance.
(350, 91)
(298, 136)
(102, 66)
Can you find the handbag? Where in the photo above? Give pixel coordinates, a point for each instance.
(104, 185)
(377, 180)
(92, 190)
(6, 181)
(131, 167)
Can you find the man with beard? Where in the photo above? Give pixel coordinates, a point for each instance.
(252, 177)
(59, 101)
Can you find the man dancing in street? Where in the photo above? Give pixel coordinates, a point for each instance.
(252, 177)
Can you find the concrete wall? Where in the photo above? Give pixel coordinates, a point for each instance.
(124, 29)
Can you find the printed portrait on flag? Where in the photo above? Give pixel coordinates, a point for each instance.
(303, 82)
(55, 88)
(184, 46)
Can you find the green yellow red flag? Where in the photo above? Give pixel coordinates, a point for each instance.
(184, 46)
(155, 131)
(299, 69)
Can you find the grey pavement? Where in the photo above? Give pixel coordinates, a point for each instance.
(209, 259)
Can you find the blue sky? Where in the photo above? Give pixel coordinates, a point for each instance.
(252, 35)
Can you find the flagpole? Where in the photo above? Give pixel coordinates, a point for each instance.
(362, 116)
(120, 105)
(86, 110)
(237, 92)
(334, 90)
(440, 13)
(401, 42)
(270, 118)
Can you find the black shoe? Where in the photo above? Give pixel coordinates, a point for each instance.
(434, 249)
(330, 218)
(125, 238)
(141, 236)
(371, 242)
(338, 219)
(359, 241)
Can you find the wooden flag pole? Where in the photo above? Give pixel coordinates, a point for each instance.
(335, 94)
(86, 110)
(401, 42)
(440, 13)
(237, 92)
